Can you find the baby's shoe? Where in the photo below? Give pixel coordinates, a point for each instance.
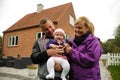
(63, 78)
(50, 76)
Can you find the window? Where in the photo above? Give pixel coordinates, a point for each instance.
(71, 20)
(67, 37)
(39, 35)
(13, 41)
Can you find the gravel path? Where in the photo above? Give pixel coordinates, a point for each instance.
(5, 76)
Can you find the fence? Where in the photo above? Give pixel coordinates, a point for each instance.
(111, 58)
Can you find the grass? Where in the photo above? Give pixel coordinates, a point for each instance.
(115, 72)
(32, 67)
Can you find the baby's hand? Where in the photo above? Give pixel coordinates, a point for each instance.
(53, 46)
(60, 48)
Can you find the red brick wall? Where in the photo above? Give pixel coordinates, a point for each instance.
(64, 22)
(26, 39)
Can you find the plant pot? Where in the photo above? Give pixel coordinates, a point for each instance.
(104, 62)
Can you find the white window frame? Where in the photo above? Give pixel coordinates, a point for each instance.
(41, 35)
(71, 19)
(13, 41)
(67, 36)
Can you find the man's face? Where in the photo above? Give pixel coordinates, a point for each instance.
(48, 28)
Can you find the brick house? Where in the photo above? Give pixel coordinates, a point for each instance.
(0, 50)
(20, 37)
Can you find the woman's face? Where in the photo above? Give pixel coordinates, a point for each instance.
(80, 29)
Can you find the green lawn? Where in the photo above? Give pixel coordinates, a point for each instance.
(115, 72)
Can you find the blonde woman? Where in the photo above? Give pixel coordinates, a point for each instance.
(84, 52)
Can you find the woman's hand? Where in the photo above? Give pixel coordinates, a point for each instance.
(68, 48)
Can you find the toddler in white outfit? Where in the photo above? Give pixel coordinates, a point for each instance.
(57, 42)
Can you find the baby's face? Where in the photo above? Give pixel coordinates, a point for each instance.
(59, 36)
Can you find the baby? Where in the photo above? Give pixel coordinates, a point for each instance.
(57, 42)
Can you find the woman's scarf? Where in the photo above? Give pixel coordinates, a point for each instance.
(78, 40)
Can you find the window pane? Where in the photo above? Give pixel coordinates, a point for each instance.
(16, 40)
(67, 37)
(71, 20)
(12, 40)
(39, 35)
(9, 41)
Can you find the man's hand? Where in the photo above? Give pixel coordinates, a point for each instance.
(57, 67)
(51, 51)
(54, 51)
(60, 50)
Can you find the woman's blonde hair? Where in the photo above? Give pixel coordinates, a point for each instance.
(87, 23)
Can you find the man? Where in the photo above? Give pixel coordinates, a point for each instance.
(39, 53)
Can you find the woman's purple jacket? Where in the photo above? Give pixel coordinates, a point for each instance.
(84, 59)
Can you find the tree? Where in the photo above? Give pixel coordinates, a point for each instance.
(0, 39)
(106, 47)
(117, 36)
(112, 45)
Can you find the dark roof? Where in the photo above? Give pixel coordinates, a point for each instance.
(32, 19)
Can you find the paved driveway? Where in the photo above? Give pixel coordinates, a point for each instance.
(7, 73)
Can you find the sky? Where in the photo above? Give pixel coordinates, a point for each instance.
(104, 14)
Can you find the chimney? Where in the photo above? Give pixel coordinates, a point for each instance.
(39, 8)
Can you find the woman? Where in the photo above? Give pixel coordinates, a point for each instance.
(85, 52)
